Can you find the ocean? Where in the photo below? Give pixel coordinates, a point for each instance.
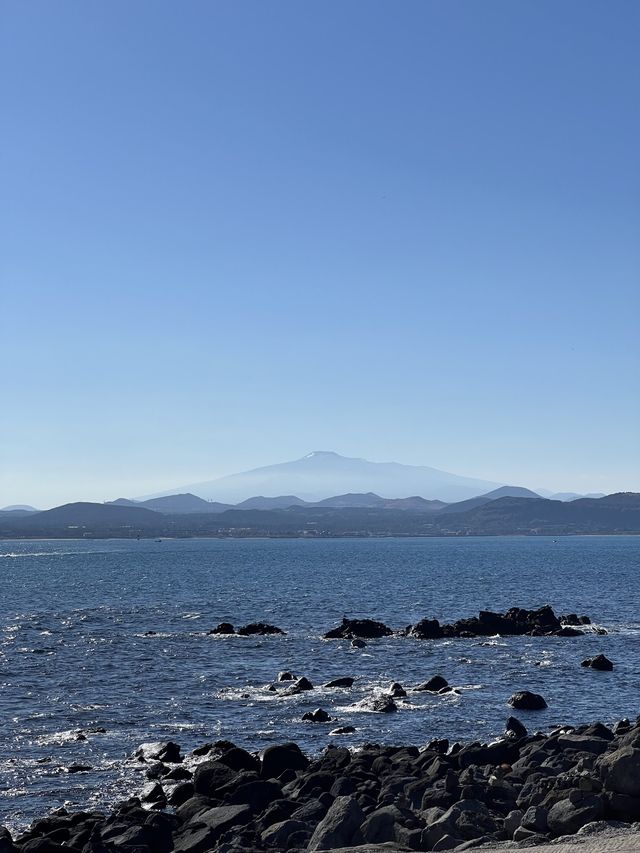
(75, 656)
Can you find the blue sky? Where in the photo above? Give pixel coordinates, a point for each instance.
(235, 232)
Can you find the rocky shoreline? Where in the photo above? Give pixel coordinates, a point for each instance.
(523, 788)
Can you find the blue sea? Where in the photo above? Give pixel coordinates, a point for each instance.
(74, 655)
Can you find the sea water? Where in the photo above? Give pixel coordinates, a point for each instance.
(75, 654)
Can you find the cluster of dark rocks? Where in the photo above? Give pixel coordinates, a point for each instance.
(254, 628)
(444, 796)
(517, 621)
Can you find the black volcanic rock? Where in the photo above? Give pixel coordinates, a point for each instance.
(434, 684)
(426, 629)
(527, 701)
(351, 629)
(223, 628)
(598, 662)
(521, 788)
(259, 628)
(341, 682)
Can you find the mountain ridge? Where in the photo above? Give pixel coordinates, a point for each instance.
(613, 514)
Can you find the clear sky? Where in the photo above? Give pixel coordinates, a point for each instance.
(235, 232)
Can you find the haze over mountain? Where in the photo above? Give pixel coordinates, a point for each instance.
(323, 474)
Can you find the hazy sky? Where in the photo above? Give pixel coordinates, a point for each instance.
(234, 232)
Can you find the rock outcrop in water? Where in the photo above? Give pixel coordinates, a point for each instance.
(254, 628)
(528, 788)
(516, 622)
(600, 662)
(351, 629)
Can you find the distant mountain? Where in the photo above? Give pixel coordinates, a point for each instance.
(79, 519)
(352, 500)
(496, 494)
(618, 513)
(370, 499)
(574, 496)
(179, 504)
(279, 502)
(18, 508)
(321, 474)
(511, 492)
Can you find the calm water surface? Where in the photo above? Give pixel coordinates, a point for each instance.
(73, 655)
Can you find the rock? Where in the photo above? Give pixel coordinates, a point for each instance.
(276, 759)
(397, 690)
(350, 629)
(278, 834)
(192, 808)
(160, 751)
(501, 752)
(239, 759)
(210, 776)
(426, 629)
(79, 768)
(514, 728)
(447, 842)
(383, 705)
(42, 845)
(261, 628)
(152, 793)
(299, 686)
(256, 794)
(583, 743)
(434, 684)
(286, 676)
(223, 628)
(527, 701)
(599, 662)
(380, 825)
(568, 816)
(341, 682)
(6, 843)
(181, 793)
(317, 716)
(512, 821)
(343, 730)
(358, 644)
(339, 825)
(620, 771)
(574, 619)
(202, 835)
(535, 819)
